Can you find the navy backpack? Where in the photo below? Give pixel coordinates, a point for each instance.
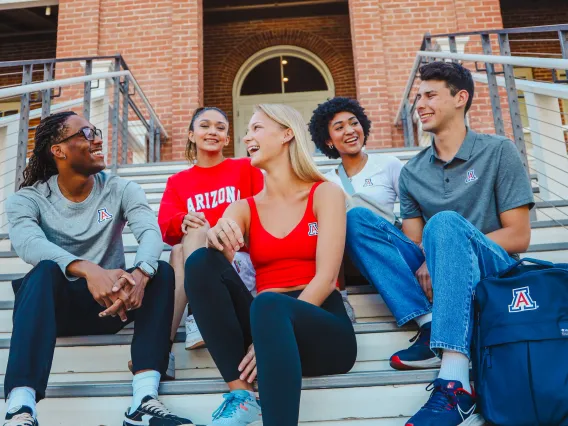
(520, 345)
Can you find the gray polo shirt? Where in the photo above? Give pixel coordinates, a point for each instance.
(483, 180)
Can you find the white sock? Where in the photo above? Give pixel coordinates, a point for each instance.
(423, 319)
(144, 384)
(22, 396)
(455, 366)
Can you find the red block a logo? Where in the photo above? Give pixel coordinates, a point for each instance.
(522, 300)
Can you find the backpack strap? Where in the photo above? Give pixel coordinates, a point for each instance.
(521, 261)
(347, 185)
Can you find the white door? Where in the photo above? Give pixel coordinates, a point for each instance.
(305, 102)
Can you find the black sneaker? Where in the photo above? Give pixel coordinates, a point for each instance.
(153, 413)
(419, 355)
(20, 416)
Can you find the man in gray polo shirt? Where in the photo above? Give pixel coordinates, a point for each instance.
(465, 206)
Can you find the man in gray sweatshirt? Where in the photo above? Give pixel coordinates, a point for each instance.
(67, 221)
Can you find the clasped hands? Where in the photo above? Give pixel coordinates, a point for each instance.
(116, 290)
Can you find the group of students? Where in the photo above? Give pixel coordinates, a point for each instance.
(258, 254)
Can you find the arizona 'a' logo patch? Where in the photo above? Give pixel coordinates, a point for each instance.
(522, 301)
(103, 215)
(470, 176)
(368, 182)
(313, 229)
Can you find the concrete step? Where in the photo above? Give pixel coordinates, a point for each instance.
(337, 399)
(544, 231)
(404, 154)
(78, 355)
(366, 306)
(11, 264)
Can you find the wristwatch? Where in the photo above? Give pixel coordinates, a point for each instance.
(146, 269)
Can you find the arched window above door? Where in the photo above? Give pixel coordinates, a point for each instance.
(283, 74)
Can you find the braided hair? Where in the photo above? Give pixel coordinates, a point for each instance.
(41, 165)
(191, 147)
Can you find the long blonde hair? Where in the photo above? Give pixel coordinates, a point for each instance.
(300, 157)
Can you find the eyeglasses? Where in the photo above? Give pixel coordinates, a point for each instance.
(88, 133)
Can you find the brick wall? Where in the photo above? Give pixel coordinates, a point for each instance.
(160, 41)
(386, 35)
(526, 13)
(20, 50)
(228, 46)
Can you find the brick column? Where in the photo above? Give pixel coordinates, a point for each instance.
(78, 28)
(77, 35)
(187, 69)
(370, 70)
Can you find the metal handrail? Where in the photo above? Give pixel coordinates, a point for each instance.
(46, 85)
(519, 30)
(59, 60)
(520, 61)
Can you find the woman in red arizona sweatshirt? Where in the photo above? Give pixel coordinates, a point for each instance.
(196, 198)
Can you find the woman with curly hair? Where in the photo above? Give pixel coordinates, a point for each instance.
(340, 128)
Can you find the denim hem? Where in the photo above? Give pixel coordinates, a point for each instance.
(411, 316)
(441, 345)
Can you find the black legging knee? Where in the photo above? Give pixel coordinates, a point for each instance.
(291, 337)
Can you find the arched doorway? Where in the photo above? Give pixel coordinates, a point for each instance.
(281, 74)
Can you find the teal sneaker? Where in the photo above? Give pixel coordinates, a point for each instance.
(240, 408)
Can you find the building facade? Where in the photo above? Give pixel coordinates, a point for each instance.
(234, 54)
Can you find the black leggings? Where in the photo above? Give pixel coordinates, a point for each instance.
(291, 337)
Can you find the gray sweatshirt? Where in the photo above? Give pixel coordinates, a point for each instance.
(44, 225)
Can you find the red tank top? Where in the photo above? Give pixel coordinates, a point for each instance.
(284, 262)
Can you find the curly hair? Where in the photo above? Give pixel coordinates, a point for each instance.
(41, 165)
(456, 77)
(325, 112)
(191, 147)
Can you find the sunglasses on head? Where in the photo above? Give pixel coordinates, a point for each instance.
(89, 133)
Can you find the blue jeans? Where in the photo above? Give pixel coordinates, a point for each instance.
(458, 256)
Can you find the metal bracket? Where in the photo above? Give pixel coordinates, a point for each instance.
(122, 84)
(555, 78)
(485, 70)
(53, 95)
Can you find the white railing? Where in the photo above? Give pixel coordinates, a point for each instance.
(112, 101)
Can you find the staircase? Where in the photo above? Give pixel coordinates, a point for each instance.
(90, 379)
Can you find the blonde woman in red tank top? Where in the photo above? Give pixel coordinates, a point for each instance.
(297, 325)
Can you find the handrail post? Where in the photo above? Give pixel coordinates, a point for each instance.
(493, 87)
(46, 94)
(563, 36)
(428, 45)
(151, 141)
(115, 111)
(407, 125)
(87, 91)
(24, 127)
(125, 120)
(453, 46)
(515, 112)
(158, 145)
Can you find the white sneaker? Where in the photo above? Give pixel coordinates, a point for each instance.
(193, 339)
